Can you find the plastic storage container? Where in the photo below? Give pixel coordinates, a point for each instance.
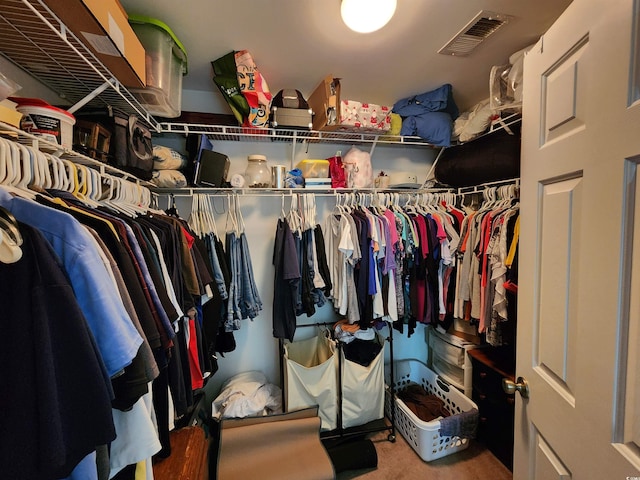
(166, 63)
(43, 120)
(314, 168)
(424, 437)
(448, 357)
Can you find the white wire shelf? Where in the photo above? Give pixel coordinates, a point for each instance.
(38, 42)
(502, 123)
(19, 136)
(238, 133)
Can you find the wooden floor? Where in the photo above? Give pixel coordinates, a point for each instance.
(398, 461)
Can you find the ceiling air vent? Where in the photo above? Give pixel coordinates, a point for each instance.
(474, 33)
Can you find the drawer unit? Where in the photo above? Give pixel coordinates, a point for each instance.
(495, 428)
(448, 357)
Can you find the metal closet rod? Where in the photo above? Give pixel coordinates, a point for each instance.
(222, 192)
(188, 192)
(482, 186)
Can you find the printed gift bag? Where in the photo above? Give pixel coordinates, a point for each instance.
(255, 89)
(367, 116)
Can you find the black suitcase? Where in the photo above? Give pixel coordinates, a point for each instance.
(291, 117)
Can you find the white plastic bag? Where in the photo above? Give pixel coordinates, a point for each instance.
(357, 167)
(472, 123)
(505, 83)
(247, 394)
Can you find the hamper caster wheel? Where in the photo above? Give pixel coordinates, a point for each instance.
(391, 437)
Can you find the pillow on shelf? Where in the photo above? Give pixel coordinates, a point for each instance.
(168, 179)
(165, 158)
(474, 122)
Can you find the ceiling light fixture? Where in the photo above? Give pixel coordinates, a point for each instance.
(366, 16)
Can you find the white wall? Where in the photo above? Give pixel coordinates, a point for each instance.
(256, 347)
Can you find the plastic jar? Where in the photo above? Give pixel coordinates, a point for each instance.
(257, 174)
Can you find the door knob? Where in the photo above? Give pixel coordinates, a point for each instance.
(520, 385)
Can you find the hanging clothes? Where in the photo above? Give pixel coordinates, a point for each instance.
(286, 282)
(41, 318)
(135, 278)
(426, 262)
(483, 283)
(243, 297)
(302, 278)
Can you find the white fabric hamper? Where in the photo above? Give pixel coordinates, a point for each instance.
(311, 377)
(362, 390)
(424, 437)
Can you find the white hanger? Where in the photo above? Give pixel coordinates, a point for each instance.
(72, 175)
(65, 175)
(130, 197)
(27, 158)
(4, 168)
(239, 215)
(52, 166)
(10, 238)
(294, 218)
(282, 214)
(211, 214)
(203, 216)
(145, 196)
(231, 216)
(13, 164)
(86, 186)
(194, 221)
(114, 196)
(41, 174)
(337, 208)
(96, 185)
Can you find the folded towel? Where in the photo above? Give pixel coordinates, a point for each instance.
(427, 407)
(464, 424)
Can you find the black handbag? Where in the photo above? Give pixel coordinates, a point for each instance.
(133, 150)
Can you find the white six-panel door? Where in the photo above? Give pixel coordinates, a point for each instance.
(579, 278)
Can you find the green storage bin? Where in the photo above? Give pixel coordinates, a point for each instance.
(166, 64)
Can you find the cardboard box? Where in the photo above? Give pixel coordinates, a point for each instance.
(9, 114)
(333, 114)
(103, 26)
(325, 103)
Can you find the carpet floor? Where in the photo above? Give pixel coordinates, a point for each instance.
(398, 461)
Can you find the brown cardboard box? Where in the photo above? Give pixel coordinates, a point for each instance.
(326, 106)
(103, 26)
(325, 103)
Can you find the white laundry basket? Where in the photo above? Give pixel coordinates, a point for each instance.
(424, 437)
